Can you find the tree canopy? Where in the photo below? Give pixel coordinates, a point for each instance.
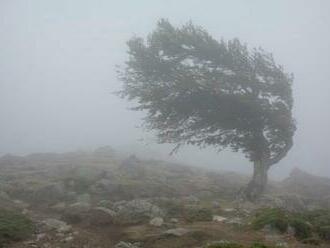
(197, 90)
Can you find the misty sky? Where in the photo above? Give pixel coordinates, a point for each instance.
(57, 72)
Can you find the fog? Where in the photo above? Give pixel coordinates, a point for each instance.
(57, 73)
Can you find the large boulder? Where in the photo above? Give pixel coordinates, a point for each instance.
(136, 211)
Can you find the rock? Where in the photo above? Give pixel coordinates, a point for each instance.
(68, 239)
(80, 207)
(177, 232)
(104, 203)
(234, 221)
(21, 204)
(41, 236)
(59, 206)
(123, 244)
(101, 216)
(136, 211)
(215, 204)
(282, 244)
(174, 220)
(229, 210)
(106, 211)
(218, 218)
(58, 225)
(290, 202)
(25, 211)
(84, 198)
(191, 199)
(291, 231)
(157, 221)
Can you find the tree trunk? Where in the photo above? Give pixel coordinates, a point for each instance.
(258, 182)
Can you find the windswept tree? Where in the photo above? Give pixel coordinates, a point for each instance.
(199, 91)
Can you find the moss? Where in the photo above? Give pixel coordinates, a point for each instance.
(14, 226)
(276, 218)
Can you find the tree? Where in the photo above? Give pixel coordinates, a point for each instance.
(200, 91)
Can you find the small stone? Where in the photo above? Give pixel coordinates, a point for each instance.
(174, 220)
(157, 221)
(177, 232)
(40, 236)
(229, 209)
(291, 231)
(235, 221)
(218, 218)
(215, 204)
(68, 239)
(123, 244)
(25, 211)
(282, 245)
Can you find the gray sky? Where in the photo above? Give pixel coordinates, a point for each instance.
(57, 72)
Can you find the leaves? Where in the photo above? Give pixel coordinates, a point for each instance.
(197, 90)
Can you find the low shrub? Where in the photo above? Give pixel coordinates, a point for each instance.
(302, 228)
(276, 218)
(192, 214)
(14, 226)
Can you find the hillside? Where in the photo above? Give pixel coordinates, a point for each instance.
(100, 198)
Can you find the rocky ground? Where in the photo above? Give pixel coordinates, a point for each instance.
(100, 199)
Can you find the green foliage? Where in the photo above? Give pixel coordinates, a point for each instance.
(192, 214)
(319, 222)
(200, 91)
(14, 226)
(306, 224)
(302, 228)
(276, 218)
